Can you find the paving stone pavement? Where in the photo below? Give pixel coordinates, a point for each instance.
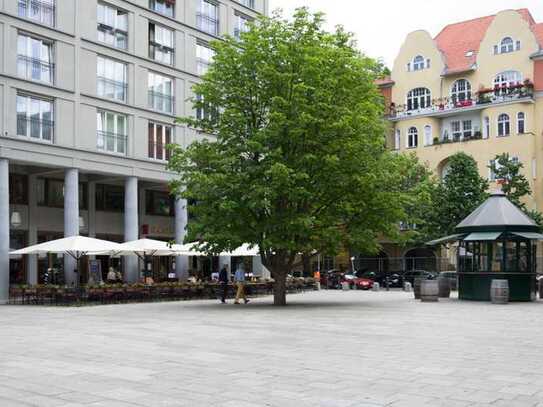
(326, 349)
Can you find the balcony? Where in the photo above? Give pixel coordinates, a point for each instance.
(161, 101)
(35, 69)
(112, 89)
(40, 11)
(161, 53)
(35, 128)
(112, 142)
(207, 23)
(485, 97)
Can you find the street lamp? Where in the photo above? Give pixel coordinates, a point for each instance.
(352, 263)
(16, 219)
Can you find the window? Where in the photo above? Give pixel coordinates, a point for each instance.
(412, 137)
(204, 57)
(456, 130)
(111, 79)
(160, 91)
(35, 58)
(112, 132)
(507, 45)
(160, 136)
(241, 25)
(418, 63)
(248, 3)
(397, 139)
(51, 193)
(521, 123)
(205, 111)
(109, 198)
(161, 44)
(42, 11)
(461, 90)
(418, 98)
(165, 7)
(486, 133)
(505, 79)
(18, 189)
(504, 127)
(35, 118)
(428, 135)
(159, 203)
(207, 17)
(467, 129)
(112, 26)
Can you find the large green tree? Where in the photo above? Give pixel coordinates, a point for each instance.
(514, 183)
(460, 191)
(297, 162)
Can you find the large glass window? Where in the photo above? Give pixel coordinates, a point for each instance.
(204, 57)
(165, 7)
(160, 136)
(112, 26)
(461, 91)
(161, 44)
(241, 25)
(412, 137)
(159, 203)
(207, 17)
(418, 63)
(418, 98)
(18, 189)
(205, 111)
(109, 198)
(507, 45)
(42, 11)
(50, 192)
(506, 79)
(504, 125)
(35, 117)
(111, 79)
(160, 89)
(456, 129)
(112, 132)
(35, 58)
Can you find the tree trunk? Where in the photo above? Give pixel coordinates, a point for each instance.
(280, 287)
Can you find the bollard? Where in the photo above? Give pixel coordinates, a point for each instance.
(375, 287)
(407, 286)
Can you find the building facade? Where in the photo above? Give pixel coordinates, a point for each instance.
(476, 87)
(89, 91)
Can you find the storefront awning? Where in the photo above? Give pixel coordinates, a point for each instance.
(446, 239)
(529, 235)
(476, 236)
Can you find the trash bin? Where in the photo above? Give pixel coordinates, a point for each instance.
(499, 291)
(429, 291)
(444, 284)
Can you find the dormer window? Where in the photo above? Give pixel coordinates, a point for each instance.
(506, 46)
(418, 64)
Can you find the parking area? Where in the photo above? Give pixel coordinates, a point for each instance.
(327, 348)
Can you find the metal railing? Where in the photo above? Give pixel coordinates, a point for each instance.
(159, 151)
(248, 3)
(113, 36)
(161, 53)
(35, 128)
(111, 88)
(207, 23)
(112, 142)
(161, 101)
(35, 69)
(41, 11)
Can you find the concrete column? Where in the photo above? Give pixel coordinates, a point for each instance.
(91, 218)
(71, 220)
(131, 227)
(181, 219)
(32, 277)
(4, 231)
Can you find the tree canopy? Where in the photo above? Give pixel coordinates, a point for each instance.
(297, 160)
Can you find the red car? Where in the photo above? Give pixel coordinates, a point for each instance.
(358, 283)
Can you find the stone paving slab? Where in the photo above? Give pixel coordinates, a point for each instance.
(326, 349)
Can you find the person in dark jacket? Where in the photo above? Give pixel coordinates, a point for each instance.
(223, 281)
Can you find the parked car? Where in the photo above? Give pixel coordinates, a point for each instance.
(394, 279)
(453, 278)
(409, 276)
(362, 283)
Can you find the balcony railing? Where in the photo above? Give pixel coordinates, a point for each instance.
(248, 3)
(110, 88)
(35, 69)
(161, 53)
(207, 23)
(159, 151)
(484, 97)
(41, 11)
(112, 142)
(160, 101)
(35, 128)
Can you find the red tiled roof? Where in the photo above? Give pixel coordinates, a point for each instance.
(384, 81)
(456, 40)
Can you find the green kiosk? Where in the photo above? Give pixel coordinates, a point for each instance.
(496, 241)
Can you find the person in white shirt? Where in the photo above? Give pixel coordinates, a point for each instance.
(239, 278)
(111, 275)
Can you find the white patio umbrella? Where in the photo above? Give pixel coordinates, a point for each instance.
(145, 247)
(245, 250)
(188, 249)
(75, 246)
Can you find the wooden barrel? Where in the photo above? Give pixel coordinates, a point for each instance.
(444, 287)
(429, 291)
(499, 291)
(416, 287)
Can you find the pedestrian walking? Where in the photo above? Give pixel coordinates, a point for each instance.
(239, 278)
(223, 281)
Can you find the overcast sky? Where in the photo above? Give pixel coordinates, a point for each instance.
(380, 26)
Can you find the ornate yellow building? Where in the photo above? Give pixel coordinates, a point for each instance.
(476, 87)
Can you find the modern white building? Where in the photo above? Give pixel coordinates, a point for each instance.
(89, 91)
